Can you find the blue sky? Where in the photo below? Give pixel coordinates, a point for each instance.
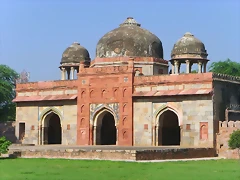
(34, 33)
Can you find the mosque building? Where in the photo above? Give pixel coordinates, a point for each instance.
(128, 95)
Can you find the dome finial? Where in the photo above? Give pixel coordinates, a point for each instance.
(130, 21)
(188, 34)
(75, 42)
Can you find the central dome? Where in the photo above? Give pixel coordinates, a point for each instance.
(129, 39)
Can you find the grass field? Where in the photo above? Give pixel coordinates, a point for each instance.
(58, 169)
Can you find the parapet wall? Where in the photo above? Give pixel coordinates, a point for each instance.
(45, 85)
(172, 79)
(7, 129)
(132, 155)
(225, 130)
(225, 77)
(126, 59)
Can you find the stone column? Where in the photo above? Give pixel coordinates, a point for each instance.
(190, 67)
(42, 143)
(94, 135)
(154, 135)
(181, 134)
(205, 67)
(199, 67)
(68, 73)
(116, 135)
(176, 65)
(187, 66)
(156, 139)
(63, 73)
(72, 72)
(173, 70)
(179, 66)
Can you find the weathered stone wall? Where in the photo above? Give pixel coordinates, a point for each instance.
(116, 154)
(31, 113)
(178, 153)
(7, 129)
(225, 130)
(193, 112)
(152, 69)
(225, 93)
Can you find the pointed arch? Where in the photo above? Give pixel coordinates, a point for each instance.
(165, 108)
(167, 126)
(104, 131)
(124, 92)
(100, 112)
(50, 123)
(49, 110)
(112, 108)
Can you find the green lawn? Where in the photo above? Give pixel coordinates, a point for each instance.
(49, 169)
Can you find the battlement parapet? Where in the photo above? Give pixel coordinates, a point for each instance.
(225, 77)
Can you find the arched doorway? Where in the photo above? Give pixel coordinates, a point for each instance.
(105, 130)
(169, 129)
(52, 129)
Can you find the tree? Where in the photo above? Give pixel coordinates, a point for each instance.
(7, 92)
(225, 67)
(234, 141)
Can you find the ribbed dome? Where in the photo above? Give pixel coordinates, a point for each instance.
(189, 45)
(129, 39)
(75, 53)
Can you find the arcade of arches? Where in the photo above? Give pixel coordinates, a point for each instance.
(52, 130)
(105, 132)
(169, 129)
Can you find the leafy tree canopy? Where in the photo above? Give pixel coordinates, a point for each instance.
(226, 67)
(7, 92)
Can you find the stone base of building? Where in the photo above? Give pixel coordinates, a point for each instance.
(111, 152)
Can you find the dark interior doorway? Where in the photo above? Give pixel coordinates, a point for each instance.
(108, 130)
(169, 129)
(54, 129)
(21, 131)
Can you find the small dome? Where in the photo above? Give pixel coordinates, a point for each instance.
(75, 54)
(129, 39)
(189, 45)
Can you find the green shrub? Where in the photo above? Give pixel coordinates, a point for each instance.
(4, 144)
(234, 141)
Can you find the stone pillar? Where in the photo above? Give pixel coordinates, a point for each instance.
(190, 67)
(63, 73)
(173, 70)
(205, 67)
(179, 66)
(181, 134)
(116, 135)
(176, 65)
(156, 139)
(187, 66)
(199, 67)
(42, 134)
(76, 70)
(68, 73)
(154, 135)
(94, 135)
(39, 134)
(72, 72)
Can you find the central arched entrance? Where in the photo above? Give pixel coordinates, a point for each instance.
(52, 129)
(169, 129)
(105, 132)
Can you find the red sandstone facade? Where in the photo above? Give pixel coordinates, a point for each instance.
(105, 85)
(128, 99)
